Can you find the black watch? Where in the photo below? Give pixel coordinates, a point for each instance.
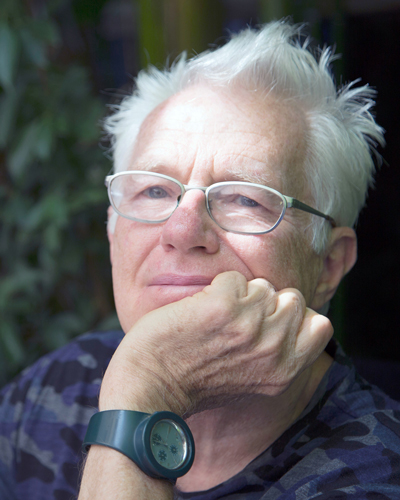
(160, 444)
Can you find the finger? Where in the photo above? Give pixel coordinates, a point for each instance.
(230, 282)
(314, 335)
(261, 290)
(291, 298)
(290, 307)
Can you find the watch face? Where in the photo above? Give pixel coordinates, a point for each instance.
(168, 444)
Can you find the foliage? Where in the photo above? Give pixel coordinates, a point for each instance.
(54, 275)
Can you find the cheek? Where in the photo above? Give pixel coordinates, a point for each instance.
(265, 256)
(132, 243)
(279, 258)
(300, 265)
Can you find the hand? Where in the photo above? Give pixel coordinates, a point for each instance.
(233, 339)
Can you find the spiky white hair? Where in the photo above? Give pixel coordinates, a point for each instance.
(342, 137)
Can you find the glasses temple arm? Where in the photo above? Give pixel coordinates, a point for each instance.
(292, 202)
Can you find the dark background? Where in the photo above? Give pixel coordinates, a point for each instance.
(62, 62)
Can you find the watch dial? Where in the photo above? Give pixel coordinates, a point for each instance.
(168, 444)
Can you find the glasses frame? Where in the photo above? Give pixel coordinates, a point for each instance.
(288, 201)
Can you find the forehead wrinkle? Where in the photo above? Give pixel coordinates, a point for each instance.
(257, 164)
(281, 155)
(155, 155)
(184, 166)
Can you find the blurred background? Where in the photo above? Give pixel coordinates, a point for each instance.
(62, 62)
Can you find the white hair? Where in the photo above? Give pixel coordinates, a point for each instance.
(342, 137)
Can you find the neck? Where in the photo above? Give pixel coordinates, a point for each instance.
(229, 438)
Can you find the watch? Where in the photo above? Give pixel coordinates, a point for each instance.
(161, 444)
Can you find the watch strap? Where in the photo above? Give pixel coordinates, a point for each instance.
(110, 428)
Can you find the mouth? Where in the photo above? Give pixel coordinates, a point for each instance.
(167, 288)
(181, 280)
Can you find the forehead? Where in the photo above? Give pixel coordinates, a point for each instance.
(224, 134)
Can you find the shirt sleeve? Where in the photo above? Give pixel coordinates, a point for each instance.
(43, 418)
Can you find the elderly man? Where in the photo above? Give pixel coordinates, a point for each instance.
(238, 177)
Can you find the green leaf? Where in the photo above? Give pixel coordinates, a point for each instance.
(90, 197)
(88, 128)
(9, 48)
(61, 124)
(11, 345)
(45, 139)
(8, 111)
(52, 240)
(50, 212)
(23, 279)
(25, 150)
(61, 328)
(45, 30)
(34, 48)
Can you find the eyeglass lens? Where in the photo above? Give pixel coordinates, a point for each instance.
(145, 197)
(235, 207)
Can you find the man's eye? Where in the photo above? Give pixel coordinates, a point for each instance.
(155, 192)
(247, 202)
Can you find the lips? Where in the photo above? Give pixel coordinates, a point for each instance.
(180, 280)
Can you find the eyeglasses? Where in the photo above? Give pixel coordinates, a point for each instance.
(238, 207)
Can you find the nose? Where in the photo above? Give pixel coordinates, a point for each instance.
(190, 228)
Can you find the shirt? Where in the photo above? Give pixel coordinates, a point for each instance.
(345, 444)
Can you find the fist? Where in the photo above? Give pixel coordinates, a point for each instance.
(231, 340)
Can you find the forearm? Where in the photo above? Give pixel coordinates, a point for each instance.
(109, 474)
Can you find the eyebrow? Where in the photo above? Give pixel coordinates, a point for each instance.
(149, 166)
(243, 175)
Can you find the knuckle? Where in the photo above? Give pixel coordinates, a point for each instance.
(292, 299)
(268, 287)
(322, 326)
(261, 296)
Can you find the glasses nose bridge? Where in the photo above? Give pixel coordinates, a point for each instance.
(192, 188)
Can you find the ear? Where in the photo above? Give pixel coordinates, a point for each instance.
(339, 257)
(110, 234)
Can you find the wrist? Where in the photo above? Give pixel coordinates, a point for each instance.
(110, 474)
(140, 390)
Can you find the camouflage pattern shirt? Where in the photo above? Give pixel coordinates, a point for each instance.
(346, 443)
